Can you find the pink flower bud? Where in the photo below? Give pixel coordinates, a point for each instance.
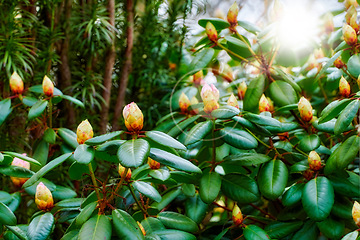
(314, 161)
(237, 216)
(232, 101)
(264, 104)
(344, 87)
(134, 119)
(210, 97)
(153, 164)
(242, 89)
(232, 16)
(184, 102)
(305, 109)
(43, 198)
(211, 32)
(16, 84)
(349, 35)
(356, 213)
(48, 86)
(18, 182)
(84, 132)
(121, 171)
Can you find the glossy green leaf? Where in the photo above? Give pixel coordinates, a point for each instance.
(102, 138)
(218, 23)
(172, 160)
(61, 193)
(29, 101)
(73, 100)
(84, 154)
(309, 143)
(77, 170)
(49, 135)
(282, 93)
(148, 190)
(125, 226)
(85, 214)
(19, 231)
(165, 139)
(333, 109)
(309, 231)
(68, 136)
(167, 199)
(225, 112)
(195, 208)
(70, 203)
(177, 221)
(240, 188)
(278, 230)
(23, 157)
(171, 234)
(209, 188)
(48, 167)
(272, 179)
(5, 110)
(15, 171)
(245, 159)
(346, 117)
(344, 187)
(293, 194)
(97, 227)
(250, 27)
(198, 132)
(253, 232)
(351, 236)
(353, 65)
(238, 47)
(133, 152)
(238, 138)
(253, 94)
(262, 120)
(41, 153)
(342, 208)
(40, 227)
(327, 65)
(5, 197)
(331, 228)
(188, 189)
(161, 174)
(7, 217)
(202, 59)
(318, 198)
(37, 109)
(179, 128)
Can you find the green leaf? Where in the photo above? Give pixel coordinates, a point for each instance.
(282, 93)
(253, 232)
(353, 65)
(48, 167)
(125, 226)
(18, 232)
(147, 190)
(331, 229)
(70, 203)
(218, 23)
(49, 135)
(262, 120)
(84, 154)
(15, 171)
(177, 221)
(102, 138)
(344, 187)
(253, 94)
(5, 197)
(172, 160)
(188, 189)
(167, 199)
(29, 101)
(37, 109)
(151, 225)
(69, 137)
(309, 143)
(351, 236)
(346, 117)
(161, 174)
(61, 193)
(202, 59)
(7, 217)
(318, 198)
(327, 65)
(293, 194)
(195, 208)
(97, 227)
(198, 132)
(164, 139)
(238, 47)
(333, 109)
(73, 100)
(23, 157)
(39, 89)
(245, 159)
(309, 231)
(249, 26)
(5, 110)
(40, 227)
(272, 179)
(240, 188)
(209, 188)
(278, 230)
(179, 128)
(133, 152)
(77, 170)
(225, 112)
(238, 138)
(171, 234)
(41, 153)
(85, 214)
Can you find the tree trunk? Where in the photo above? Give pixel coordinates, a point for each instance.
(109, 64)
(127, 64)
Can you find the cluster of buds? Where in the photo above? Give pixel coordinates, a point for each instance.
(350, 3)
(338, 63)
(242, 89)
(351, 18)
(48, 86)
(349, 35)
(211, 32)
(18, 182)
(43, 198)
(344, 87)
(264, 105)
(16, 84)
(84, 132)
(232, 16)
(210, 97)
(305, 109)
(232, 101)
(314, 161)
(134, 119)
(328, 23)
(237, 216)
(197, 78)
(153, 164)
(184, 102)
(122, 170)
(356, 213)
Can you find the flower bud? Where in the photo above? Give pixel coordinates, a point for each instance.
(18, 182)
(237, 216)
(349, 13)
(305, 109)
(84, 132)
(242, 89)
(232, 16)
(349, 3)
(338, 63)
(153, 164)
(353, 23)
(133, 117)
(227, 73)
(194, 101)
(48, 86)
(121, 171)
(16, 84)
(141, 228)
(308, 174)
(232, 101)
(344, 87)
(211, 32)
(314, 161)
(356, 213)
(349, 35)
(184, 102)
(358, 81)
(210, 97)
(271, 104)
(215, 67)
(329, 23)
(264, 104)
(197, 78)
(318, 53)
(43, 198)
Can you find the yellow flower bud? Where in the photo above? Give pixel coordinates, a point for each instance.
(194, 101)
(84, 132)
(237, 216)
(48, 86)
(18, 182)
(349, 3)
(184, 102)
(133, 117)
(227, 73)
(232, 101)
(318, 53)
(43, 198)
(153, 164)
(232, 16)
(210, 97)
(305, 109)
(350, 12)
(353, 23)
(198, 77)
(121, 171)
(356, 213)
(338, 63)
(16, 84)
(314, 161)
(344, 87)
(211, 32)
(264, 104)
(271, 104)
(329, 23)
(242, 89)
(358, 81)
(141, 228)
(349, 35)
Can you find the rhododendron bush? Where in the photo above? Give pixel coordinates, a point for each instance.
(262, 146)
